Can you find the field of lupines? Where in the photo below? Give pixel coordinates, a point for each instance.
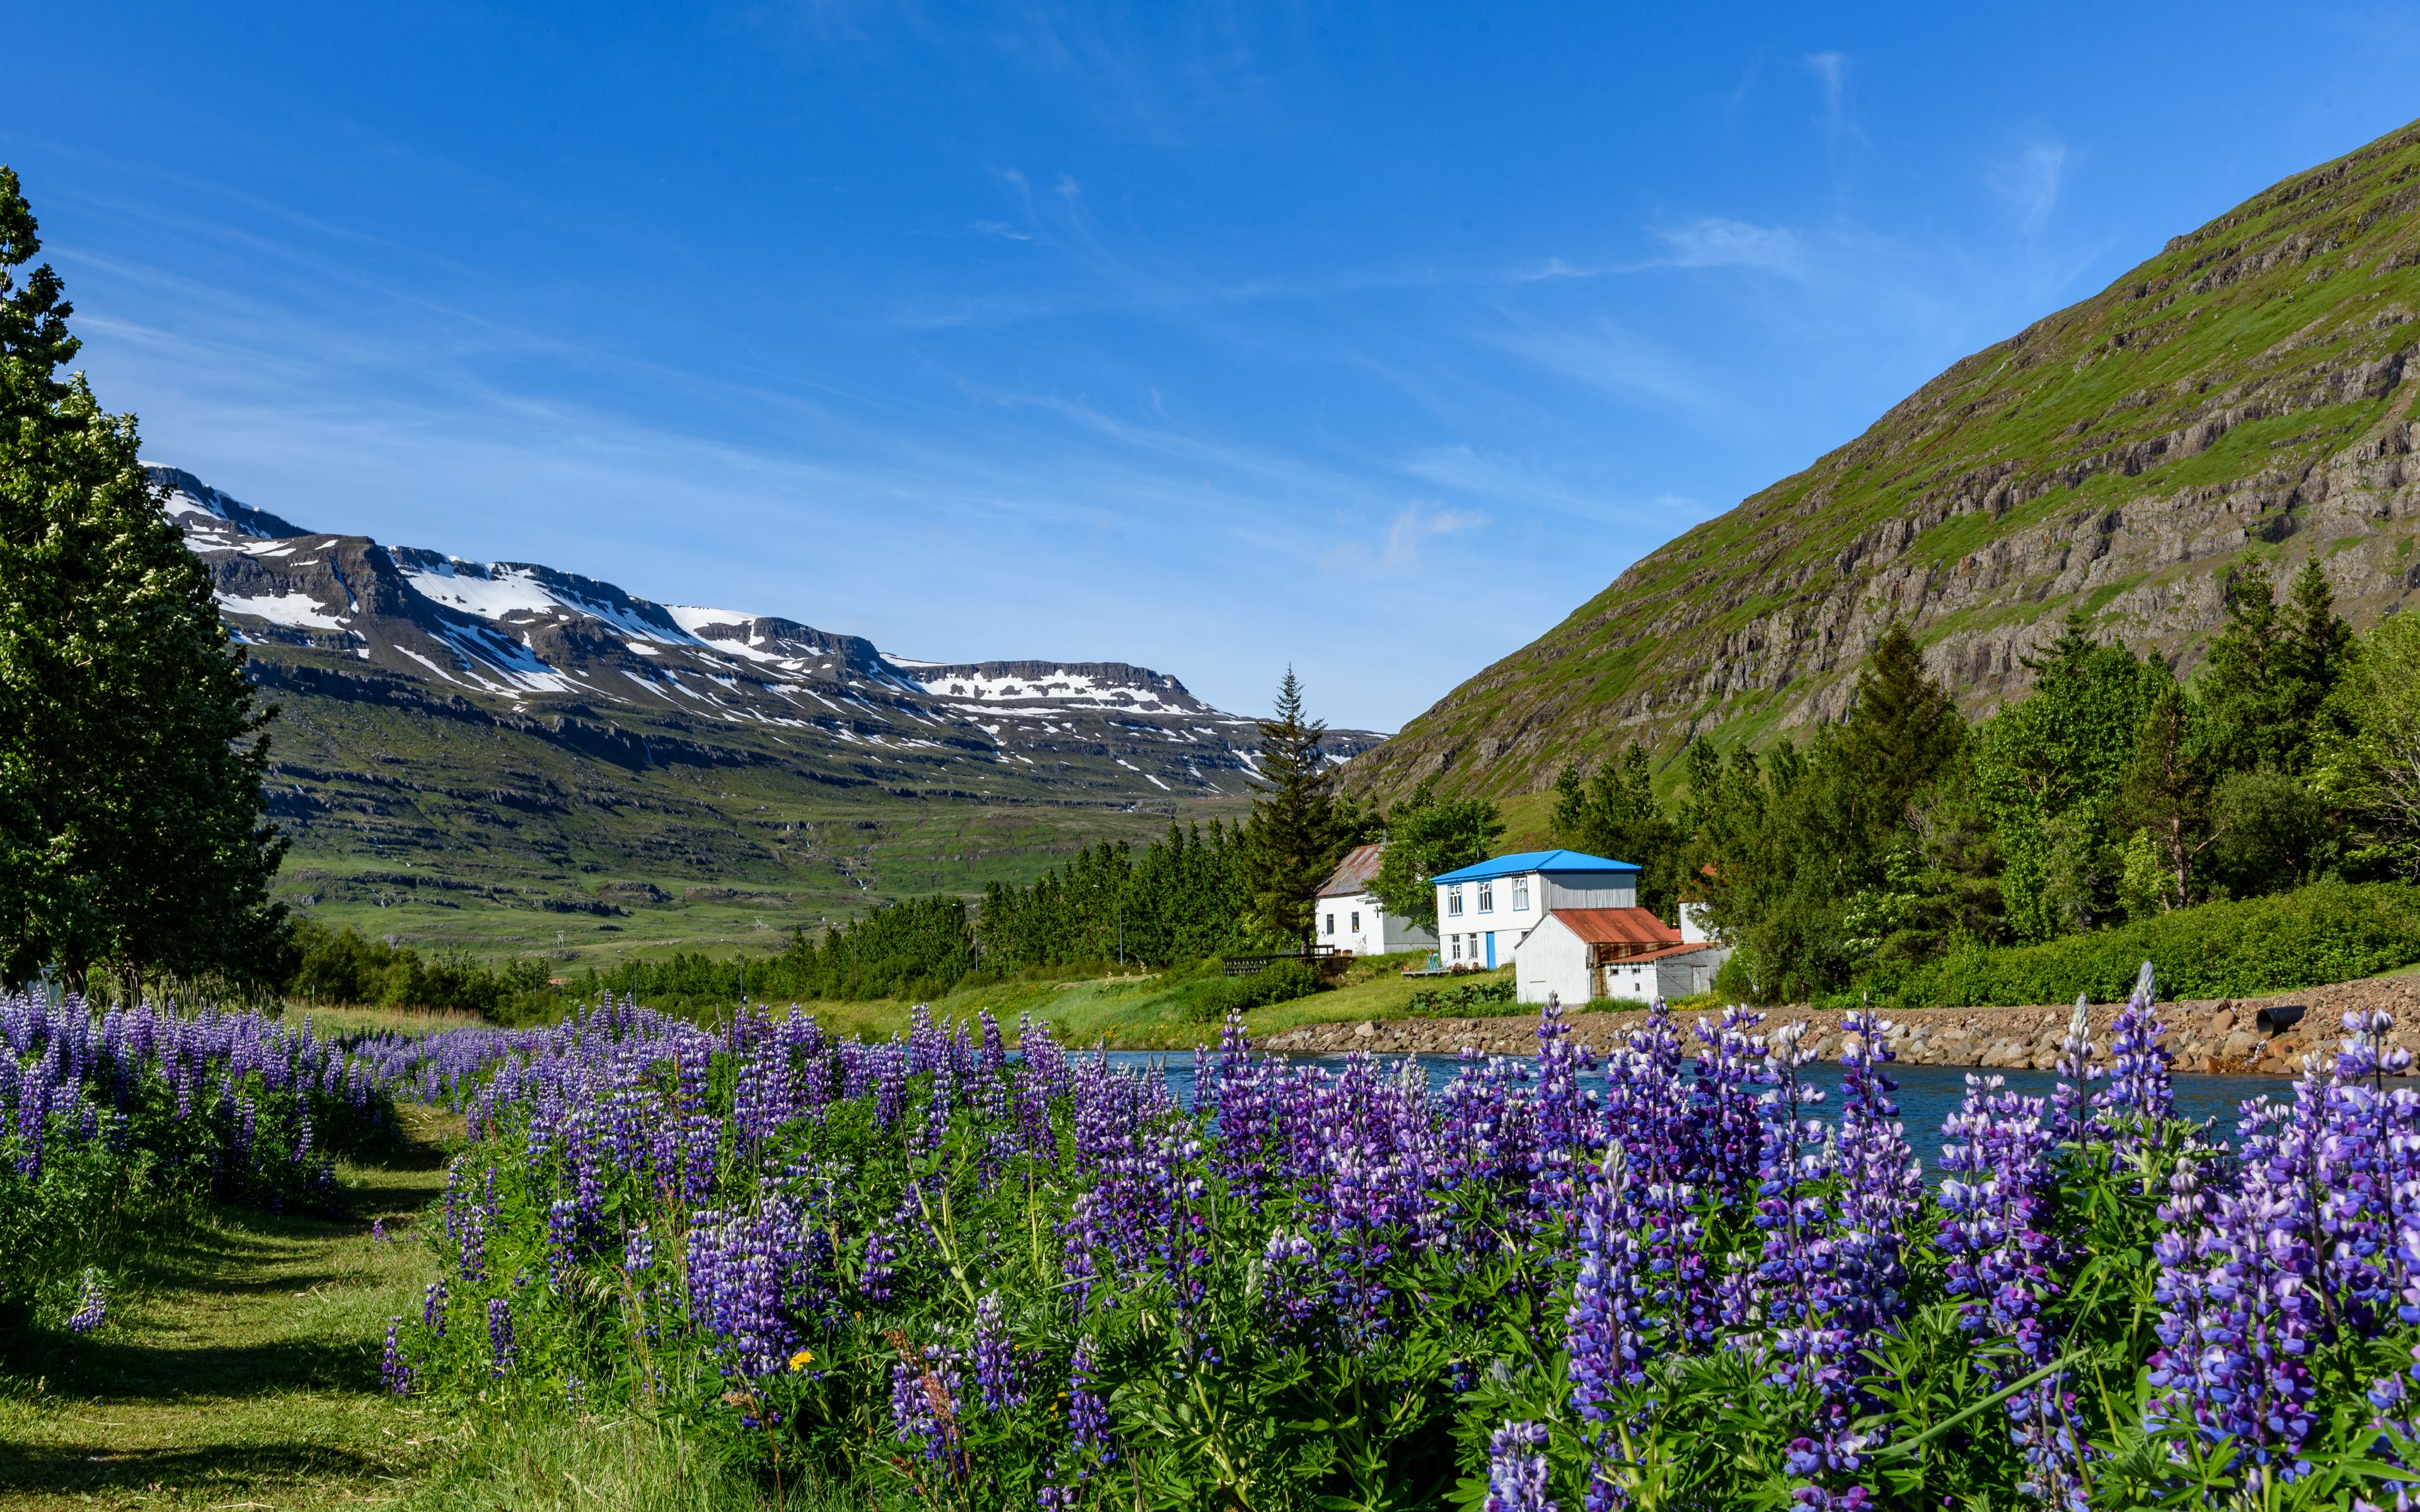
(928, 1272)
(935, 1272)
(116, 1125)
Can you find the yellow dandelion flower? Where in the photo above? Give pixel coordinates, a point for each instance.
(802, 1359)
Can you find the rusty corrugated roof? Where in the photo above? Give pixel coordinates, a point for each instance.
(1659, 953)
(1617, 926)
(1353, 873)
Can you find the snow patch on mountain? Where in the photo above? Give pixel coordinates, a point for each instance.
(299, 611)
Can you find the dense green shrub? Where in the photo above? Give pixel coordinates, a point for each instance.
(1476, 999)
(1280, 982)
(2329, 932)
(344, 965)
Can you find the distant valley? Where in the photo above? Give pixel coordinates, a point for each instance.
(503, 755)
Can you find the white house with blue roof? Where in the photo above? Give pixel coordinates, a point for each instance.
(1484, 909)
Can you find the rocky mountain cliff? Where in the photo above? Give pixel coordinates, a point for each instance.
(516, 737)
(2245, 396)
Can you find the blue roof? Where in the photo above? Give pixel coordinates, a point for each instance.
(1505, 866)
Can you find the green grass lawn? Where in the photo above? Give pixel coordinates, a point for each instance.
(239, 1370)
(240, 1364)
(1143, 1011)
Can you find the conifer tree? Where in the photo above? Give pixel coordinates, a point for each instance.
(131, 837)
(1613, 813)
(2167, 788)
(1294, 838)
(2271, 668)
(1901, 734)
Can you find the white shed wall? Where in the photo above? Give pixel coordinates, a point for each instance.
(1551, 960)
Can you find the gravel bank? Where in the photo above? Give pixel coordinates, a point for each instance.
(2209, 1035)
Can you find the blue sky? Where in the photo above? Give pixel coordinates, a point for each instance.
(1371, 340)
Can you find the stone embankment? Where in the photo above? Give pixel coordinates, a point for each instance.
(2208, 1035)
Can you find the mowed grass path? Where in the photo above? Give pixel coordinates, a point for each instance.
(239, 1368)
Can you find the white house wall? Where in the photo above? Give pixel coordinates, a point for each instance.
(1471, 928)
(1380, 932)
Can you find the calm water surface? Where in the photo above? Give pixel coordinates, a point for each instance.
(1927, 1094)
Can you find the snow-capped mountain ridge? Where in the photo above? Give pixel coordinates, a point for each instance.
(524, 635)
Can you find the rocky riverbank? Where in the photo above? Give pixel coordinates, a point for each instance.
(2210, 1035)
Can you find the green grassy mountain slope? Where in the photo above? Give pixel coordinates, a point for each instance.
(2246, 394)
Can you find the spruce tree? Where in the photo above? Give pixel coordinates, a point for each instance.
(2166, 793)
(132, 836)
(2270, 668)
(1293, 841)
(1901, 732)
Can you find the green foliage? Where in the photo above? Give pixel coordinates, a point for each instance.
(343, 966)
(1613, 813)
(1478, 1000)
(2329, 932)
(2271, 667)
(1280, 982)
(121, 1160)
(132, 836)
(1296, 834)
(1428, 836)
(1181, 900)
(2367, 747)
(2047, 774)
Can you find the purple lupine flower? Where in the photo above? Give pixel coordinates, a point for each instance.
(2140, 1096)
(2005, 1268)
(1516, 1470)
(996, 1363)
(1796, 1288)
(1883, 1187)
(392, 1368)
(1604, 1344)
(1292, 1282)
(873, 1279)
(2076, 1075)
(1569, 1124)
(2240, 1299)
(1730, 1077)
(432, 1307)
(1088, 1411)
(499, 1337)
(92, 1304)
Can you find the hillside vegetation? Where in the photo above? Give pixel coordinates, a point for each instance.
(2243, 393)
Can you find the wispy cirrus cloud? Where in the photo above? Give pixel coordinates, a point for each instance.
(1715, 241)
(1417, 523)
(1609, 358)
(2029, 182)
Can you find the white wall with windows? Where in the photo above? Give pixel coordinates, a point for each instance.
(1358, 922)
(1482, 922)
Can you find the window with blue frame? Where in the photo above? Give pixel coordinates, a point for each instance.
(1520, 895)
(1488, 897)
(1454, 900)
